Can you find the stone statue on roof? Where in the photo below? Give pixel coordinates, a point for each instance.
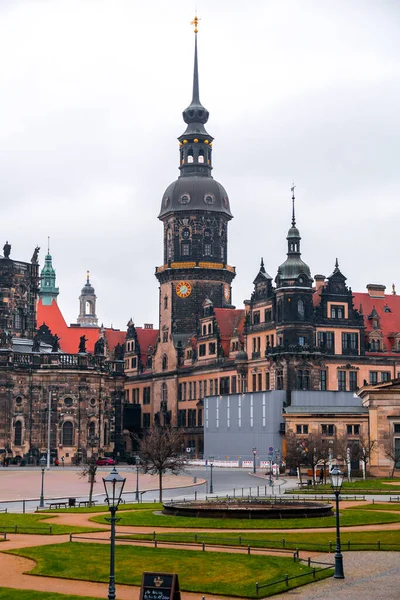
(34, 259)
(6, 250)
(119, 352)
(82, 344)
(55, 346)
(36, 343)
(99, 347)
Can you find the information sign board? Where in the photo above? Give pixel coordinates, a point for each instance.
(160, 586)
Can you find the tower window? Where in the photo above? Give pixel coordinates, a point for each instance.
(300, 308)
(201, 156)
(68, 434)
(165, 302)
(185, 249)
(88, 308)
(164, 362)
(18, 433)
(207, 250)
(190, 156)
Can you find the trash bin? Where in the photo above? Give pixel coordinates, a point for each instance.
(194, 479)
(309, 482)
(71, 502)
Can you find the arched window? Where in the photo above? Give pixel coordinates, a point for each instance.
(18, 433)
(164, 362)
(201, 156)
(92, 429)
(300, 308)
(164, 392)
(88, 308)
(303, 379)
(190, 155)
(209, 328)
(68, 434)
(205, 330)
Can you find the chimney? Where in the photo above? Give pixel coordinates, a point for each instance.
(375, 290)
(148, 325)
(319, 281)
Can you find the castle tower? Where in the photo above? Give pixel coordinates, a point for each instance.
(87, 305)
(195, 213)
(48, 290)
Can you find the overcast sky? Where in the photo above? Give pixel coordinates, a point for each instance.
(91, 96)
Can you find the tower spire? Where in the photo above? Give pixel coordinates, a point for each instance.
(196, 93)
(293, 213)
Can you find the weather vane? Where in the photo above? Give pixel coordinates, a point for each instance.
(195, 23)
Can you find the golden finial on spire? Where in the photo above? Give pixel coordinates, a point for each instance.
(87, 276)
(195, 22)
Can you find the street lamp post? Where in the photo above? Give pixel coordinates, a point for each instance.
(271, 483)
(254, 459)
(43, 466)
(137, 458)
(113, 484)
(211, 461)
(336, 482)
(277, 464)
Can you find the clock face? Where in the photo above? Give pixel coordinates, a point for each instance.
(183, 289)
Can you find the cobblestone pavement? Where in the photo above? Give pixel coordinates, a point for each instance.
(369, 576)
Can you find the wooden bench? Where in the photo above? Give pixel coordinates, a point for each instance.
(86, 503)
(57, 504)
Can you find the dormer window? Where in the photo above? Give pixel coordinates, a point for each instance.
(256, 317)
(337, 312)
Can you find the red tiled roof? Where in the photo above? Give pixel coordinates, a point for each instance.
(146, 338)
(389, 322)
(228, 320)
(69, 336)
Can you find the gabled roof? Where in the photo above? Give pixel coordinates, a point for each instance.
(229, 321)
(387, 309)
(146, 338)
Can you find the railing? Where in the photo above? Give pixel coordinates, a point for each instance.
(61, 360)
(297, 349)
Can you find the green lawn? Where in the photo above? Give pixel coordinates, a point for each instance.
(147, 518)
(378, 485)
(215, 573)
(392, 506)
(104, 508)
(366, 540)
(36, 524)
(13, 594)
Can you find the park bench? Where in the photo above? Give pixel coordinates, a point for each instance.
(57, 504)
(86, 503)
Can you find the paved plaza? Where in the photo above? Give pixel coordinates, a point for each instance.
(369, 575)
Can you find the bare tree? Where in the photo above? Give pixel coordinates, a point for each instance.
(356, 449)
(312, 451)
(294, 453)
(161, 450)
(391, 451)
(89, 471)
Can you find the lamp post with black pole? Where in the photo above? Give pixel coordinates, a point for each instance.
(114, 485)
(254, 459)
(137, 458)
(336, 482)
(43, 466)
(211, 463)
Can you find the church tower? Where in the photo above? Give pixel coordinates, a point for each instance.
(195, 212)
(87, 305)
(48, 290)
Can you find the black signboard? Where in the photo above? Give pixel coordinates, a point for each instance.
(160, 586)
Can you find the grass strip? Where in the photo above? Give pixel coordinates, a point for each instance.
(147, 518)
(391, 506)
(366, 540)
(215, 573)
(104, 508)
(14, 594)
(37, 524)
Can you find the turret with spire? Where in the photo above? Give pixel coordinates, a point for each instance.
(87, 305)
(294, 271)
(48, 290)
